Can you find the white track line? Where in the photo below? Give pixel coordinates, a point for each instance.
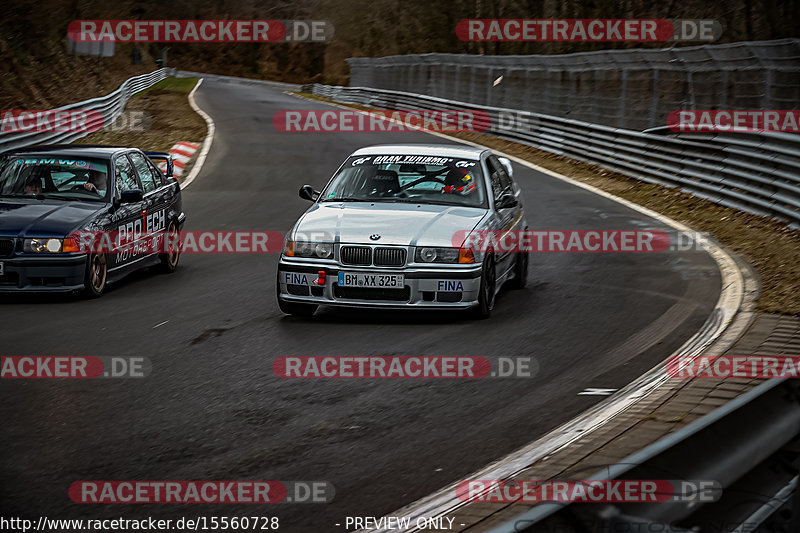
(201, 157)
(730, 300)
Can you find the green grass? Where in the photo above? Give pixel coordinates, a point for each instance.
(179, 85)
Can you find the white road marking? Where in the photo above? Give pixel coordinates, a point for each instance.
(159, 325)
(597, 392)
(201, 157)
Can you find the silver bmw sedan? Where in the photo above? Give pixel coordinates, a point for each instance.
(389, 230)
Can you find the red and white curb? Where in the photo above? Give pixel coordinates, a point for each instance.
(182, 152)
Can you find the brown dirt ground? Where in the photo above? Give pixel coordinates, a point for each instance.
(170, 120)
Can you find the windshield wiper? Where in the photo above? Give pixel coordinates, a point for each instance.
(343, 200)
(38, 196)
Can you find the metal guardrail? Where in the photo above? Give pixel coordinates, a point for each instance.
(634, 89)
(749, 447)
(755, 172)
(107, 107)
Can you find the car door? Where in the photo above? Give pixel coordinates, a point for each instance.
(156, 198)
(507, 218)
(126, 220)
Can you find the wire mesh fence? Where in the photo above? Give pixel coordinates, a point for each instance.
(632, 89)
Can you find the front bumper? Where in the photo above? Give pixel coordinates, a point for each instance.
(435, 287)
(43, 274)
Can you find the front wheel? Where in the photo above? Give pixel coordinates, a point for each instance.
(520, 271)
(487, 290)
(94, 284)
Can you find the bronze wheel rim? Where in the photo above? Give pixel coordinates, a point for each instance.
(98, 272)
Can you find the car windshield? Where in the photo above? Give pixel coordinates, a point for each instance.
(409, 178)
(54, 176)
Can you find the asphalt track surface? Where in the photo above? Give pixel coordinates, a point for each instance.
(212, 408)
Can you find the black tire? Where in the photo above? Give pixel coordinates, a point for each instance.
(170, 258)
(96, 277)
(488, 288)
(520, 271)
(293, 308)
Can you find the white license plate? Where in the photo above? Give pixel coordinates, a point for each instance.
(380, 281)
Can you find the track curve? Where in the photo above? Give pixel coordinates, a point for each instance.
(212, 408)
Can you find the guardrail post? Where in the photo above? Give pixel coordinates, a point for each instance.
(651, 121)
(623, 100)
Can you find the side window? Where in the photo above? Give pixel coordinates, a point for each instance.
(157, 174)
(145, 175)
(503, 180)
(494, 176)
(125, 179)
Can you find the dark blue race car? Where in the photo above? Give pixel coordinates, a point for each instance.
(49, 194)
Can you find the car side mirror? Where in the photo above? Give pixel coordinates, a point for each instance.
(506, 201)
(131, 197)
(506, 162)
(169, 171)
(307, 192)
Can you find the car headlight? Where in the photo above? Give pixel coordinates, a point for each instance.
(437, 255)
(43, 245)
(50, 245)
(320, 250)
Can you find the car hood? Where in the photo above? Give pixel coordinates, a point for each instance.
(396, 223)
(43, 218)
